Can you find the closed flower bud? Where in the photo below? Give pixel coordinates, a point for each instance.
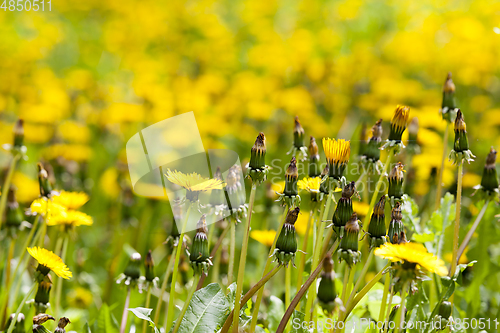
(445, 309)
(290, 195)
(257, 169)
(449, 106)
(349, 243)
(372, 150)
(63, 322)
(461, 150)
(396, 225)
(43, 292)
(343, 212)
(200, 254)
(39, 320)
(43, 181)
(398, 123)
(18, 134)
(314, 165)
(133, 269)
(489, 182)
(376, 228)
(19, 325)
(298, 134)
(286, 244)
(149, 267)
(396, 178)
(327, 294)
(14, 216)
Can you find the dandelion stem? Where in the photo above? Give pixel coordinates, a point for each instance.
(186, 303)
(317, 249)
(401, 311)
(232, 245)
(266, 270)
(148, 300)
(171, 299)
(20, 307)
(288, 282)
(377, 187)
(59, 279)
(457, 220)
(302, 263)
(7, 278)
(387, 285)
(243, 258)
(248, 295)
(468, 237)
(361, 276)
(164, 286)
(345, 283)
(441, 169)
(125, 312)
(6, 186)
(386, 320)
(302, 292)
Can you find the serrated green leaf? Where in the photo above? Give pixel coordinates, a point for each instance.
(297, 317)
(275, 312)
(207, 310)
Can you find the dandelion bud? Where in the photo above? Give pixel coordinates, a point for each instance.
(327, 294)
(398, 123)
(63, 322)
(43, 181)
(19, 325)
(489, 182)
(298, 134)
(395, 179)
(372, 150)
(14, 215)
(257, 168)
(40, 319)
(349, 243)
(149, 266)
(337, 155)
(325, 186)
(376, 228)
(200, 254)
(286, 244)
(441, 320)
(314, 170)
(18, 134)
(343, 212)
(396, 224)
(449, 106)
(290, 195)
(133, 269)
(43, 292)
(445, 309)
(461, 145)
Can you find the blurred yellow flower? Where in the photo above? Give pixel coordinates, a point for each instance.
(360, 208)
(27, 189)
(44, 206)
(71, 200)
(70, 218)
(265, 237)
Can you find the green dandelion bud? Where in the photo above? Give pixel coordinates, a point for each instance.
(445, 309)
(314, 165)
(449, 106)
(327, 294)
(14, 215)
(133, 269)
(372, 150)
(18, 134)
(396, 225)
(441, 320)
(489, 182)
(149, 266)
(461, 149)
(19, 325)
(40, 319)
(298, 134)
(43, 292)
(343, 212)
(396, 178)
(200, 254)
(376, 228)
(349, 243)
(257, 169)
(43, 181)
(290, 195)
(325, 186)
(63, 322)
(286, 244)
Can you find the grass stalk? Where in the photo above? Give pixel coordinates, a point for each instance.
(123, 324)
(456, 232)
(186, 303)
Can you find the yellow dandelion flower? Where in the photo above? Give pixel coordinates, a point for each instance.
(399, 122)
(71, 218)
(48, 261)
(412, 253)
(194, 182)
(310, 184)
(44, 206)
(337, 151)
(265, 237)
(71, 200)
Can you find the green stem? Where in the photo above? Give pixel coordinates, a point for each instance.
(344, 284)
(386, 320)
(6, 186)
(377, 187)
(457, 220)
(243, 259)
(171, 299)
(8, 278)
(288, 282)
(401, 313)
(125, 312)
(266, 270)
(232, 245)
(148, 300)
(186, 304)
(20, 307)
(248, 295)
(59, 279)
(302, 263)
(441, 169)
(387, 285)
(317, 249)
(164, 286)
(468, 237)
(361, 276)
